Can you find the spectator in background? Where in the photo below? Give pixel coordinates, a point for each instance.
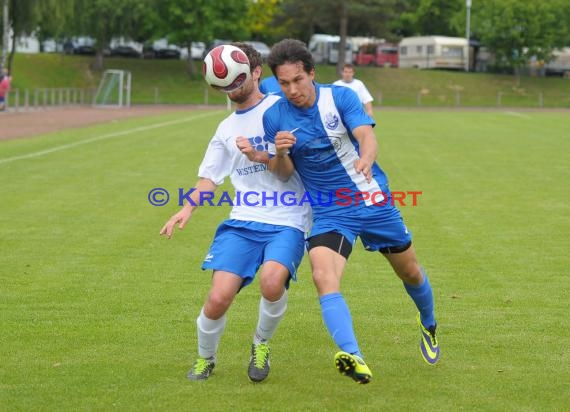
(349, 81)
(270, 85)
(4, 87)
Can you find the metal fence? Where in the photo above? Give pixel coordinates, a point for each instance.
(421, 98)
(466, 100)
(38, 99)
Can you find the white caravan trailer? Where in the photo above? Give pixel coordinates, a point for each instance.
(433, 52)
(325, 48)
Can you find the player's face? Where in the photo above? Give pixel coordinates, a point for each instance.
(297, 84)
(243, 94)
(347, 74)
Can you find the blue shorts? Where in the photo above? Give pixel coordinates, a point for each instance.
(378, 227)
(241, 247)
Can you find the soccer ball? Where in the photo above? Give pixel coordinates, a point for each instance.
(226, 68)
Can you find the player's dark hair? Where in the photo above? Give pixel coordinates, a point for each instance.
(290, 51)
(252, 55)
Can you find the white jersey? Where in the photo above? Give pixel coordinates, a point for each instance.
(258, 192)
(358, 87)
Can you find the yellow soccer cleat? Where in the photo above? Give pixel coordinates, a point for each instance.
(429, 347)
(202, 369)
(258, 363)
(352, 366)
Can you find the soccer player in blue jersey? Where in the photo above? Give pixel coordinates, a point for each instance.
(253, 236)
(270, 85)
(323, 132)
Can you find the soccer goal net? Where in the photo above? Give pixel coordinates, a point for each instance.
(114, 89)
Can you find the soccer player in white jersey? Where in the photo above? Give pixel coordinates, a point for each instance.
(357, 86)
(254, 236)
(333, 148)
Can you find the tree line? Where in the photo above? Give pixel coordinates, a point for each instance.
(513, 30)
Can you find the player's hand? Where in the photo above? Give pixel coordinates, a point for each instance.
(245, 146)
(180, 218)
(365, 168)
(284, 141)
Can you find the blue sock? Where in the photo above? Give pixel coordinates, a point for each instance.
(339, 322)
(422, 296)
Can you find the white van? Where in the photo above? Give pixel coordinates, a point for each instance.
(24, 44)
(560, 63)
(325, 48)
(433, 52)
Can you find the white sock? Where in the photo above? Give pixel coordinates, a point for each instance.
(270, 313)
(209, 334)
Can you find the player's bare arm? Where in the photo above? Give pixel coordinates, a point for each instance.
(247, 149)
(368, 109)
(183, 215)
(368, 150)
(281, 164)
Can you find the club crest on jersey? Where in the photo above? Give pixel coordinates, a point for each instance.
(331, 121)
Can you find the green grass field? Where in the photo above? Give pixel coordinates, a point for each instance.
(97, 312)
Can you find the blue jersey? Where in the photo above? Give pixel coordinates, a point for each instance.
(325, 151)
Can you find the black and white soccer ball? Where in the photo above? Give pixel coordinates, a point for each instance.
(226, 68)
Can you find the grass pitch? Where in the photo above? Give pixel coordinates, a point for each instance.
(97, 312)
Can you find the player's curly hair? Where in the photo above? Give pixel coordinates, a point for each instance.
(253, 55)
(290, 51)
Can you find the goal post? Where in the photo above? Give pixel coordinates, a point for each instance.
(114, 89)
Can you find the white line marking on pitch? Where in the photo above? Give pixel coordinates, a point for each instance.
(102, 137)
(517, 114)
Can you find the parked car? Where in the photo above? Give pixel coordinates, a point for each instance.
(560, 64)
(325, 48)
(148, 51)
(125, 51)
(168, 53)
(197, 49)
(261, 47)
(382, 54)
(121, 47)
(51, 46)
(79, 45)
(161, 49)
